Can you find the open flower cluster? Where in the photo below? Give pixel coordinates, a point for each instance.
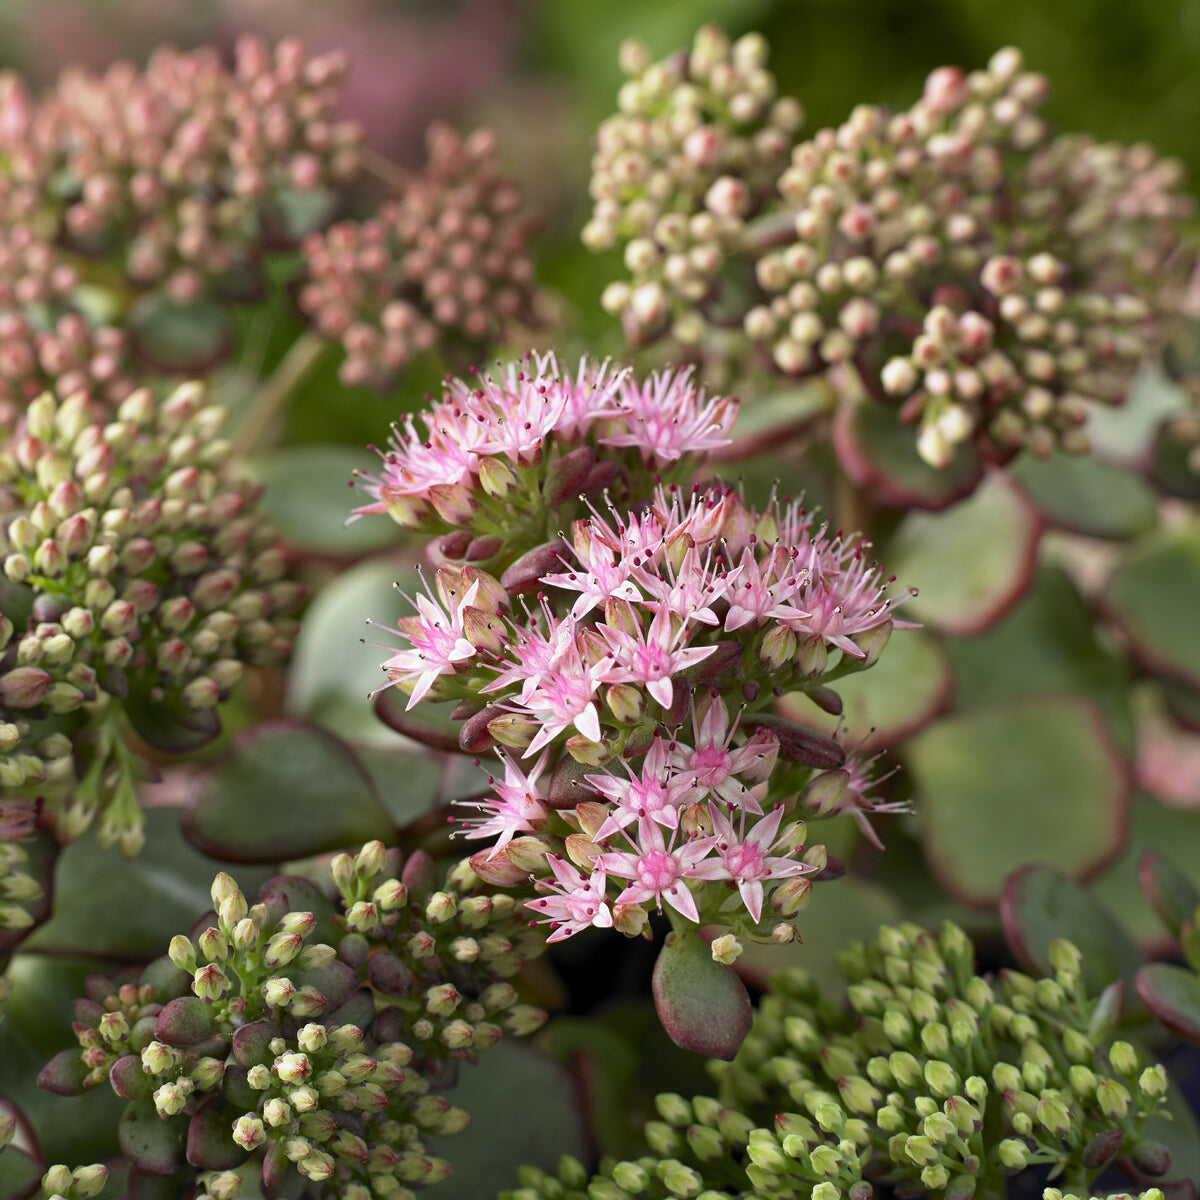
(938, 1082)
(642, 766)
(500, 462)
(318, 1058)
(445, 260)
(696, 149)
(986, 278)
(140, 579)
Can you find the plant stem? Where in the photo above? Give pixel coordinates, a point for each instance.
(301, 357)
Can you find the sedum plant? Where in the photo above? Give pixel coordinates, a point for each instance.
(643, 643)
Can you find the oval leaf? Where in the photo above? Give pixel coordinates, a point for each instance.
(880, 456)
(1169, 890)
(702, 1004)
(149, 1142)
(285, 790)
(1152, 596)
(179, 338)
(1172, 994)
(20, 1174)
(970, 564)
(308, 502)
(909, 685)
(1039, 904)
(1086, 495)
(1040, 776)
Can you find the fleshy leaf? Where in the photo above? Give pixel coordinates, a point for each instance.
(65, 1073)
(1172, 994)
(185, 1021)
(1152, 594)
(307, 501)
(210, 1145)
(332, 670)
(1040, 777)
(880, 456)
(702, 1004)
(20, 1174)
(130, 910)
(909, 685)
(286, 789)
(971, 563)
(1088, 496)
(1126, 432)
(1039, 904)
(504, 1135)
(182, 339)
(150, 1143)
(128, 1079)
(168, 724)
(1172, 894)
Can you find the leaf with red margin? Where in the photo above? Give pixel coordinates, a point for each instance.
(1172, 994)
(1171, 893)
(286, 789)
(1088, 496)
(1034, 781)
(971, 563)
(879, 454)
(1039, 904)
(909, 686)
(1152, 596)
(1183, 704)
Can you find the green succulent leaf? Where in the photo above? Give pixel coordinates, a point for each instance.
(1172, 994)
(1034, 781)
(1039, 904)
(971, 563)
(285, 790)
(183, 339)
(1152, 596)
(1086, 495)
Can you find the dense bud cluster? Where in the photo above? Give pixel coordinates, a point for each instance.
(83, 1183)
(444, 260)
(987, 279)
(937, 1082)
(662, 632)
(136, 205)
(138, 574)
(320, 1057)
(18, 888)
(695, 150)
(185, 170)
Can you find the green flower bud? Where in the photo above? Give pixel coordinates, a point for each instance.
(1123, 1057)
(1065, 957)
(920, 1151)
(1013, 1154)
(1113, 1098)
(89, 1181)
(942, 1078)
(1153, 1081)
(1053, 1113)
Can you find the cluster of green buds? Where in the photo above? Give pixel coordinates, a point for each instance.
(936, 1081)
(140, 582)
(83, 1183)
(695, 150)
(986, 280)
(939, 1080)
(308, 1033)
(443, 263)
(18, 888)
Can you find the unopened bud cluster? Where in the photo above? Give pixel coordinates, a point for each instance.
(184, 172)
(144, 569)
(19, 888)
(444, 261)
(83, 1183)
(254, 1035)
(938, 1078)
(935, 1082)
(983, 277)
(696, 149)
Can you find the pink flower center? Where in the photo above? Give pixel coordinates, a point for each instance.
(657, 870)
(744, 860)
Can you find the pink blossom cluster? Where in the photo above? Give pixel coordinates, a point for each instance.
(531, 436)
(655, 617)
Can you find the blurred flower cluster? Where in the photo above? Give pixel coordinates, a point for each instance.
(988, 279)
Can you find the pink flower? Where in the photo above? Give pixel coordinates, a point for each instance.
(659, 871)
(652, 793)
(604, 571)
(747, 860)
(516, 808)
(667, 417)
(650, 658)
(712, 765)
(762, 589)
(580, 901)
(439, 643)
(559, 694)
